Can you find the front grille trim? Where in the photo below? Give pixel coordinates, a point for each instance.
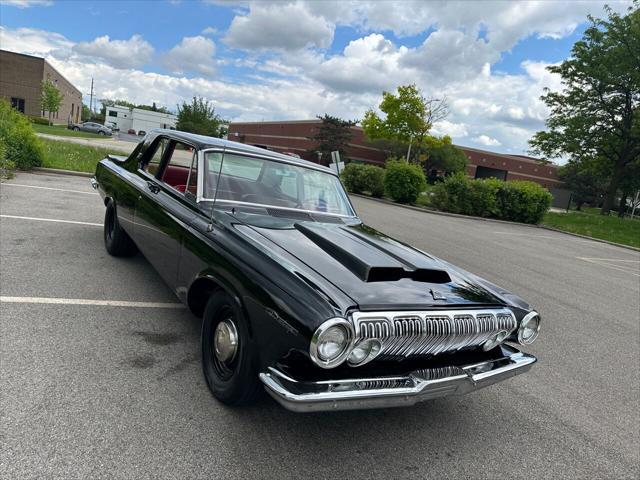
(431, 332)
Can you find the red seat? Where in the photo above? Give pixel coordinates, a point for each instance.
(175, 176)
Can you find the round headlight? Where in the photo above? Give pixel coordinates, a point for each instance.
(364, 352)
(331, 343)
(529, 328)
(495, 340)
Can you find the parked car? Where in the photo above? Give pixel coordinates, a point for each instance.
(112, 125)
(131, 131)
(92, 127)
(295, 292)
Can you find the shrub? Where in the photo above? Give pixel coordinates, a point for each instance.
(522, 201)
(516, 201)
(372, 179)
(6, 166)
(352, 177)
(39, 120)
(459, 194)
(22, 147)
(360, 178)
(404, 182)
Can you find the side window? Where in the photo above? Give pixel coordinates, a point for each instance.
(192, 183)
(153, 165)
(176, 173)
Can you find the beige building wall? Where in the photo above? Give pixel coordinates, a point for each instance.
(21, 78)
(71, 107)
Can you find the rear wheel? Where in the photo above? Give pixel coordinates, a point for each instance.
(116, 240)
(77, 129)
(228, 359)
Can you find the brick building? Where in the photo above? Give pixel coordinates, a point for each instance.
(293, 136)
(21, 78)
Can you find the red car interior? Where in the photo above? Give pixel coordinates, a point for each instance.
(177, 176)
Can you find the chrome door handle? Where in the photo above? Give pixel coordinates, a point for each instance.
(153, 187)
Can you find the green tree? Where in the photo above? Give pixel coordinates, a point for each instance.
(50, 98)
(199, 117)
(446, 158)
(584, 180)
(408, 118)
(333, 134)
(596, 117)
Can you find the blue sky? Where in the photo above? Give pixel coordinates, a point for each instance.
(297, 59)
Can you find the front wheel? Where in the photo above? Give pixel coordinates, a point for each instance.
(101, 133)
(228, 358)
(116, 240)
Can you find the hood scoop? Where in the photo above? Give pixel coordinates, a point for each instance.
(366, 260)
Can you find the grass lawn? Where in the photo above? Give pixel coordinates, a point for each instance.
(71, 156)
(63, 131)
(592, 224)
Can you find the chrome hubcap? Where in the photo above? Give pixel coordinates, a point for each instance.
(225, 341)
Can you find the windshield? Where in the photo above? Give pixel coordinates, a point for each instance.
(274, 184)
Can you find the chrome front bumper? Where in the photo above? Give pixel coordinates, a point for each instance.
(383, 392)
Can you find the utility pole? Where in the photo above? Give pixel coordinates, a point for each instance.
(91, 98)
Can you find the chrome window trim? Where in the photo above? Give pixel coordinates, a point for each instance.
(431, 332)
(200, 188)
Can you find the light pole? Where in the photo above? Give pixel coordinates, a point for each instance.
(409, 149)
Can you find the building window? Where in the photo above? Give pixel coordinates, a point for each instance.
(113, 113)
(18, 104)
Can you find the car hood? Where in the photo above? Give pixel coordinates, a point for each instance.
(378, 272)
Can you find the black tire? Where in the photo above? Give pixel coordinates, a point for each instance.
(116, 240)
(236, 381)
(101, 133)
(76, 129)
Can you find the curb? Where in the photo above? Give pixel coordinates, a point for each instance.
(437, 212)
(629, 247)
(457, 215)
(59, 171)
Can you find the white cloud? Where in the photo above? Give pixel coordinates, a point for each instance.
(32, 41)
(368, 64)
(131, 53)
(278, 26)
(192, 54)
(209, 31)
(454, 130)
(487, 140)
(288, 74)
(27, 3)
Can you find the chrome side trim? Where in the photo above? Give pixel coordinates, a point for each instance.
(393, 391)
(431, 332)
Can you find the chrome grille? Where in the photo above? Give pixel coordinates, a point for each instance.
(404, 334)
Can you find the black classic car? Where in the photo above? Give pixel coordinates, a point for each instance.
(297, 295)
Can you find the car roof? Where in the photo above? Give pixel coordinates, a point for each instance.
(202, 142)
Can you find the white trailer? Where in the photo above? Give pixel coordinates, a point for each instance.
(125, 119)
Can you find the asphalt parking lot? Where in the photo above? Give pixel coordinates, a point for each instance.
(113, 387)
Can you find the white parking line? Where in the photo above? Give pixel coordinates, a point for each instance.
(46, 188)
(606, 262)
(52, 220)
(83, 301)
